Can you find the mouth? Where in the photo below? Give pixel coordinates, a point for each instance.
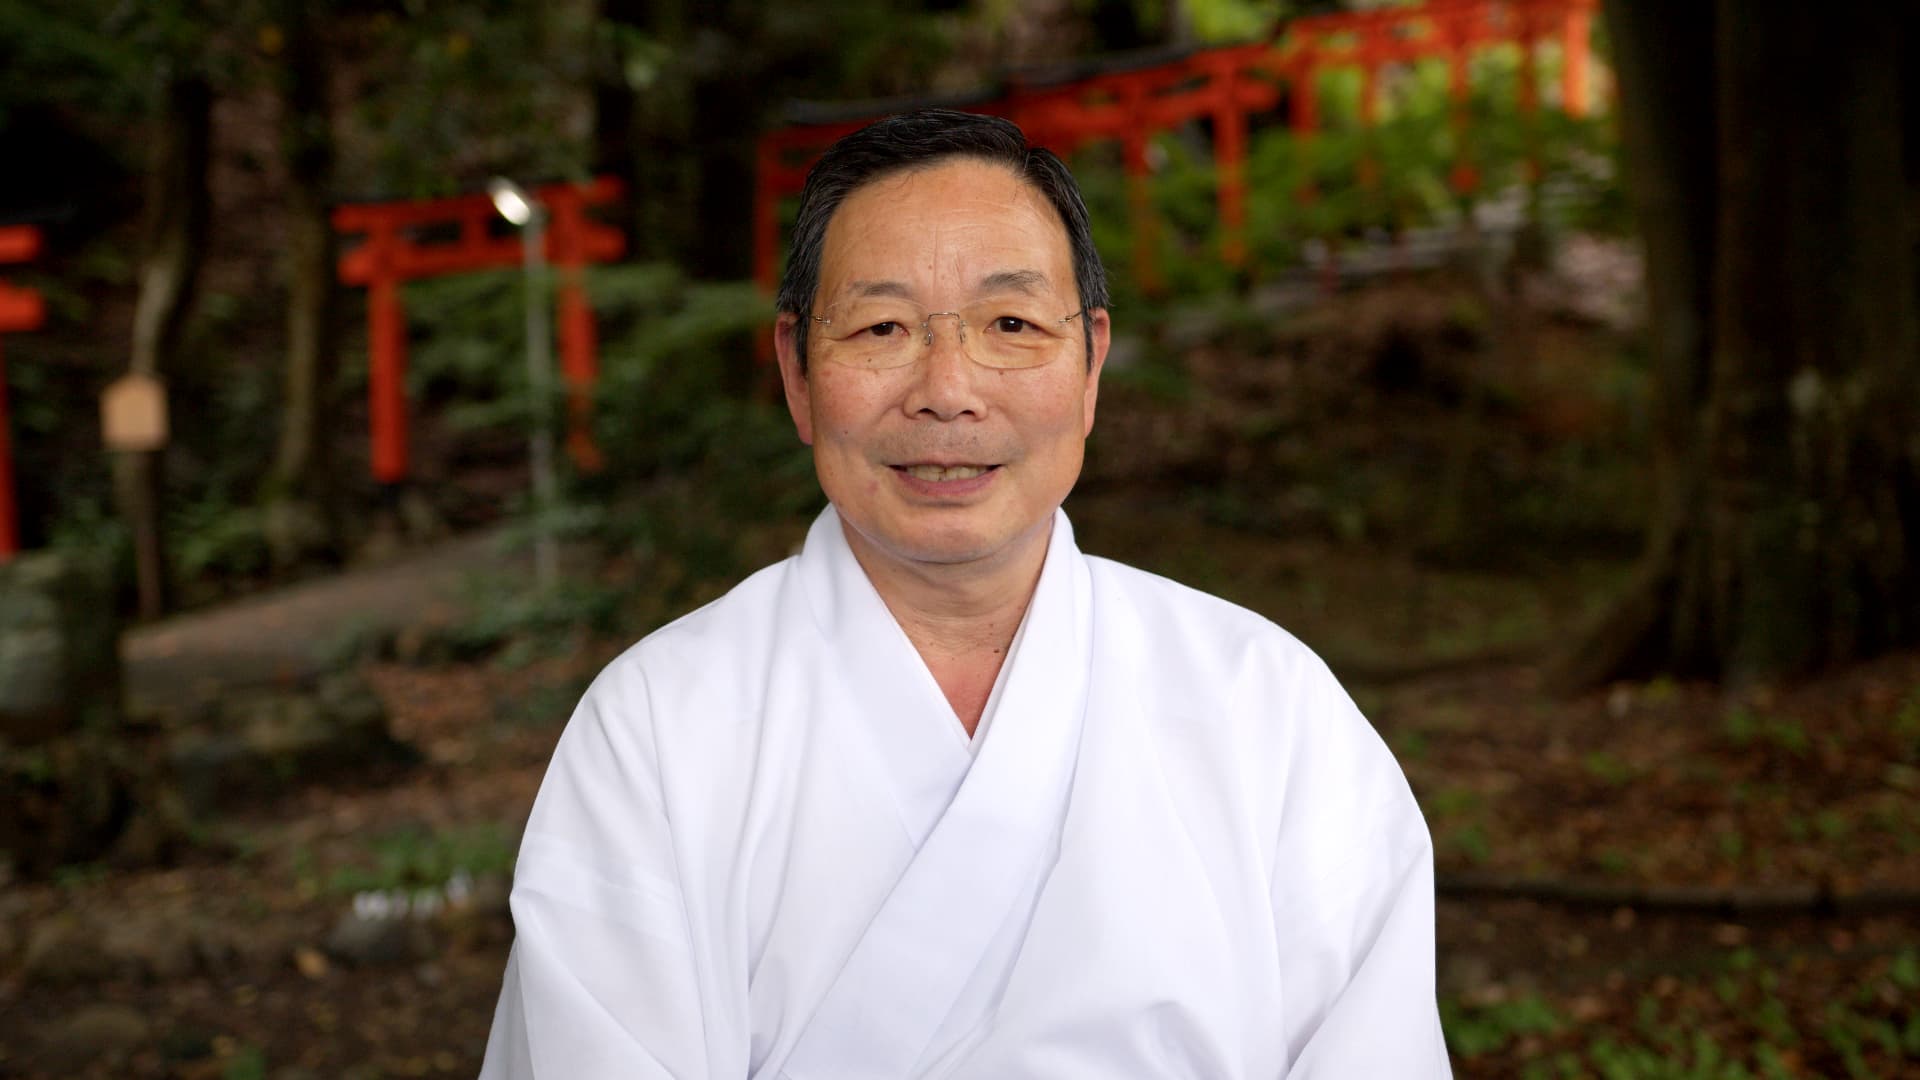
(945, 474)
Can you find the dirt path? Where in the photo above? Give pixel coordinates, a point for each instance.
(288, 635)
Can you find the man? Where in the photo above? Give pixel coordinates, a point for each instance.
(940, 796)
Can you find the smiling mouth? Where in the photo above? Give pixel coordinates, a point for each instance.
(946, 473)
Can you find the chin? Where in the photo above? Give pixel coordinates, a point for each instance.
(943, 546)
(958, 540)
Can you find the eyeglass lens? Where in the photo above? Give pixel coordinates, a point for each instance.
(1008, 332)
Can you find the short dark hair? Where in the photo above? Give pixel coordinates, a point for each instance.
(919, 140)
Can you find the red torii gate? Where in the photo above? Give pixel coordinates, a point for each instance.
(398, 249)
(1226, 86)
(20, 309)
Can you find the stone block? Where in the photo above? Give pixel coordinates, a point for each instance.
(256, 745)
(59, 648)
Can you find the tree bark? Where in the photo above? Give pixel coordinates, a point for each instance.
(302, 515)
(1814, 511)
(1663, 55)
(1787, 533)
(615, 108)
(174, 243)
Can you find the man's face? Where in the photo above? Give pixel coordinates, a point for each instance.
(944, 460)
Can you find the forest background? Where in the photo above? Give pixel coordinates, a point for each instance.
(1598, 483)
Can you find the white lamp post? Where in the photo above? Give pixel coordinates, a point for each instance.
(523, 210)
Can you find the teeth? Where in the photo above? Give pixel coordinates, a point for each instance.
(945, 472)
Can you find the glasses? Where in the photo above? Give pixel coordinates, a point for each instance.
(887, 332)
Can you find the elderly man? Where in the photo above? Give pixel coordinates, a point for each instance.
(940, 796)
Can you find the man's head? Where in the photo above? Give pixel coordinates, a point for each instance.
(957, 328)
(916, 141)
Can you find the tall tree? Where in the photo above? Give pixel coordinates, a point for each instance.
(173, 245)
(1767, 162)
(684, 90)
(300, 500)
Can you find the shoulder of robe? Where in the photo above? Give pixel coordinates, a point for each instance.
(713, 645)
(1177, 623)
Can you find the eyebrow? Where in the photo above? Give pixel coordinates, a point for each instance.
(896, 289)
(1030, 282)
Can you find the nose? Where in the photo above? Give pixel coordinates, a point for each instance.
(959, 325)
(943, 387)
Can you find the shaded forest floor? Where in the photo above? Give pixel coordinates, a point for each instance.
(1656, 879)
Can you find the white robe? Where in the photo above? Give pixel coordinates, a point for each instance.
(766, 849)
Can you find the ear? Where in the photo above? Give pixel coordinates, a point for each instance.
(1101, 324)
(786, 347)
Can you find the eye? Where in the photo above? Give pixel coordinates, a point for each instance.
(886, 329)
(1010, 324)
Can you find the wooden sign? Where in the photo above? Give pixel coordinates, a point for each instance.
(133, 413)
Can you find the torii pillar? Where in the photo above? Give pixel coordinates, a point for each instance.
(20, 309)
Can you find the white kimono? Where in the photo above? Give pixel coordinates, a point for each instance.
(766, 848)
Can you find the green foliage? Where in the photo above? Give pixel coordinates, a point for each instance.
(1743, 727)
(1608, 768)
(1744, 1030)
(491, 88)
(502, 615)
(1229, 21)
(101, 57)
(1412, 149)
(1483, 1028)
(248, 1062)
(416, 857)
(688, 456)
(671, 419)
(215, 539)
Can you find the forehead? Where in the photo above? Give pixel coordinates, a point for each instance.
(945, 227)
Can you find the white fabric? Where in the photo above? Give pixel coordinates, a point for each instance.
(762, 852)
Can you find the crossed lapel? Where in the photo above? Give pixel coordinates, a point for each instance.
(976, 860)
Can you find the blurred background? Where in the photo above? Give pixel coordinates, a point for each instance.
(373, 371)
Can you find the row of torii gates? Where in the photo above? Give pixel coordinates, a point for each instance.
(1127, 103)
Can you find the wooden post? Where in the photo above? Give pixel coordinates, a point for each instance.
(20, 309)
(1576, 35)
(1146, 268)
(387, 380)
(1530, 93)
(1305, 121)
(1230, 162)
(1369, 164)
(1464, 177)
(579, 368)
(9, 514)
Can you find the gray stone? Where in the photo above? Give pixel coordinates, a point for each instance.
(490, 895)
(255, 745)
(59, 648)
(95, 1033)
(9, 945)
(233, 946)
(379, 940)
(62, 951)
(33, 683)
(153, 947)
(294, 529)
(63, 801)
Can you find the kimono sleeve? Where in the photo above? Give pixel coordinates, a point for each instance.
(1353, 903)
(601, 981)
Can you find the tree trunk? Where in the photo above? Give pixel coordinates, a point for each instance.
(1663, 55)
(174, 242)
(1813, 512)
(301, 501)
(1782, 325)
(615, 105)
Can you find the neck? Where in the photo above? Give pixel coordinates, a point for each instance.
(960, 617)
